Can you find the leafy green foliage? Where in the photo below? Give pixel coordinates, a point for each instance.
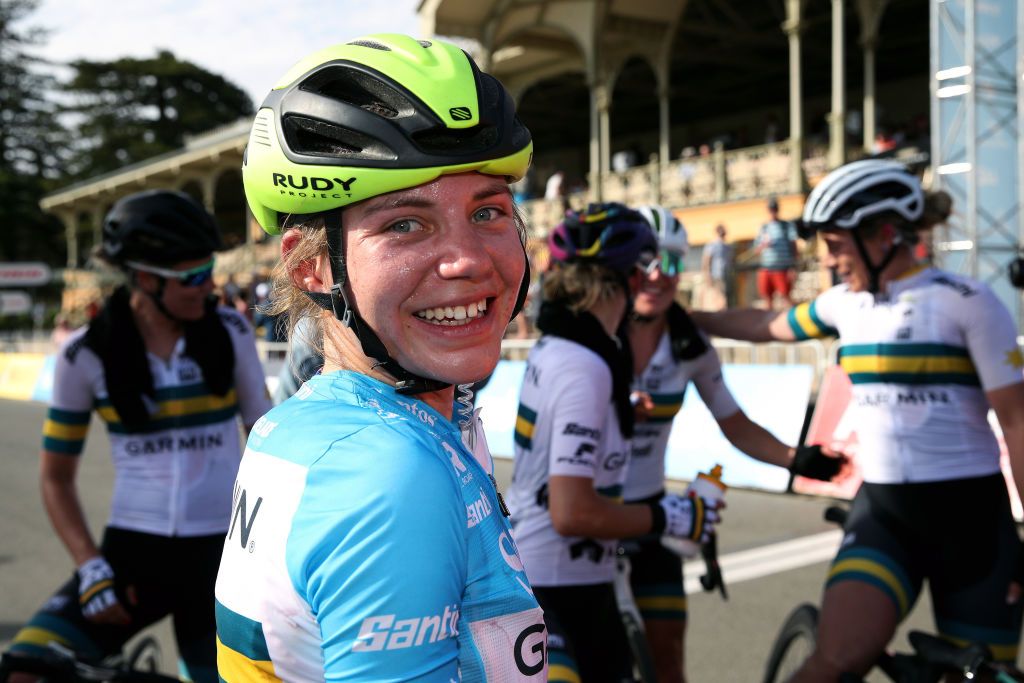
(30, 142)
(132, 109)
(106, 116)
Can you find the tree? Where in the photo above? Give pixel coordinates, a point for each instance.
(132, 109)
(30, 141)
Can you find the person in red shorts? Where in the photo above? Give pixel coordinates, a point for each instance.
(776, 244)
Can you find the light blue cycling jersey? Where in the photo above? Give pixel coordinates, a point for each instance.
(367, 543)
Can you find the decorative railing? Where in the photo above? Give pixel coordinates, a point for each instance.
(721, 176)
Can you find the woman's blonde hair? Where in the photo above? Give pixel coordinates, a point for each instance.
(286, 299)
(581, 284)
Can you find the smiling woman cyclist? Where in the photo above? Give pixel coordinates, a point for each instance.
(928, 353)
(669, 353)
(368, 542)
(572, 445)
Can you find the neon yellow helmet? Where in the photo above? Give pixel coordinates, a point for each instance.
(381, 113)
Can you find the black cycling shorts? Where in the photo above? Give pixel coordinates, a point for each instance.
(169, 575)
(656, 576)
(586, 639)
(959, 535)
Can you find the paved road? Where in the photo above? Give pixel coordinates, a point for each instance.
(727, 641)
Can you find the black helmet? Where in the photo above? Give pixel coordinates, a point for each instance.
(159, 227)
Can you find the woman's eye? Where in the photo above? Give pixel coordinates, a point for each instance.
(404, 226)
(486, 214)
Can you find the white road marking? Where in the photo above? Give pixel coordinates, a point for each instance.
(769, 559)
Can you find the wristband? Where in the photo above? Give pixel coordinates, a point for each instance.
(657, 517)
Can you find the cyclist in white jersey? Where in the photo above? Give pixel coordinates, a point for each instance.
(928, 353)
(170, 374)
(572, 445)
(669, 352)
(368, 540)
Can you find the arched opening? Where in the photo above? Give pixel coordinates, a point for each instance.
(634, 115)
(229, 208)
(557, 112)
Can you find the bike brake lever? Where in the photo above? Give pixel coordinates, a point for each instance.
(713, 578)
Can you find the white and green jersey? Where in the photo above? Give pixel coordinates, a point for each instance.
(172, 476)
(920, 359)
(566, 426)
(666, 379)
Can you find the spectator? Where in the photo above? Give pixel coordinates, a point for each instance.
(553, 189)
(776, 245)
(771, 129)
(241, 303)
(625, 159)
(230, 290)
(716, 264)
(267, 325)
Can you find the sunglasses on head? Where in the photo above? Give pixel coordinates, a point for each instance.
(668, 262)
(193, 277)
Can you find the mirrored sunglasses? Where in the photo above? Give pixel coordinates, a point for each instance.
(668, 262)
(193, 277)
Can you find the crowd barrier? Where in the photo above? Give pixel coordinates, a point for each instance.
(773, 383)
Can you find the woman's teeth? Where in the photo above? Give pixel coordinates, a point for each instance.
(453, 315)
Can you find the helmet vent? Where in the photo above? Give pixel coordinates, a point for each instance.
(372, 44)
(318, 138)
(261, 129)
(444, 141)
(358, 89)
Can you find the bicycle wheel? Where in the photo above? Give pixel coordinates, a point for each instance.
(794, 644)
(144, 655)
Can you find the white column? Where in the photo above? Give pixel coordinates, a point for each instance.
(70, 221)
(664, 149)
(837, 119)
(604, 106)
(595, 145)
(98, 214)
(209, 186)
(793, 28)
(869, 92)
(870, 13)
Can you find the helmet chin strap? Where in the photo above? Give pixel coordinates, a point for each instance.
(874, 271)
(408, 383)
(157, 298)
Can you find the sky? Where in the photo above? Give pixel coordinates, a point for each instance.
(250, 42)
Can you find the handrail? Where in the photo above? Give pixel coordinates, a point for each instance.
(723, 175)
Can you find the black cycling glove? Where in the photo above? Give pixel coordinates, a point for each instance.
(810, 462)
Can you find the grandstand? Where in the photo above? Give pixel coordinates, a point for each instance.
(705, 106)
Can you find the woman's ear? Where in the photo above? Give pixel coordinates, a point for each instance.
(889, 233)
(147, 282)
(309, 274)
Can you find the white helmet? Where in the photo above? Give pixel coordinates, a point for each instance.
(854, 192)
(669, 229)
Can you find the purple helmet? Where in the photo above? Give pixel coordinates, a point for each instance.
(611, 234)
